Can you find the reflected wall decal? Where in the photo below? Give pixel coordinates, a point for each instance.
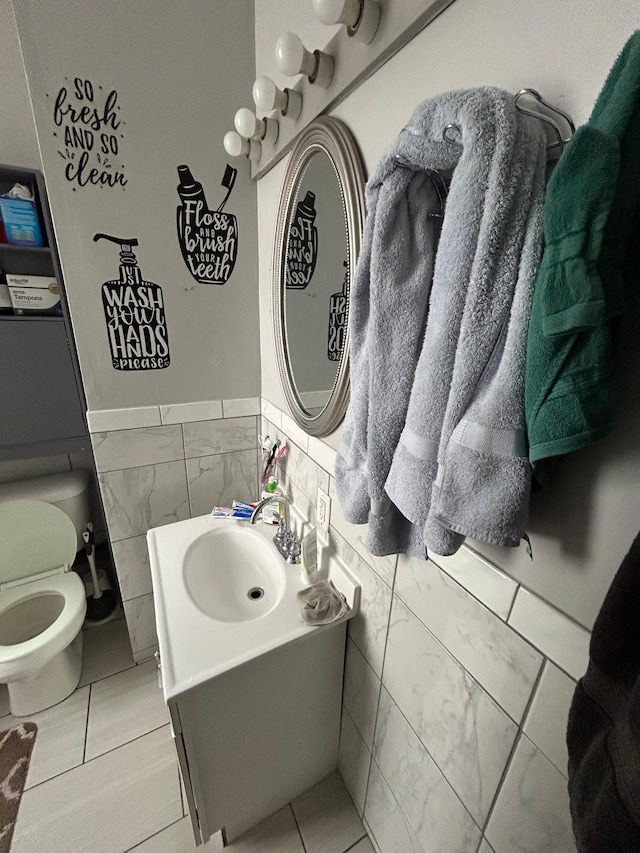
(89, 131)
(302, 245)
(134, 313)
(208, 238)
(338, 308)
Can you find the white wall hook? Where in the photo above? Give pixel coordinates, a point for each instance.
(268, 97)
(293, 58)
(251, 127)
(361, 17)
(236, 146)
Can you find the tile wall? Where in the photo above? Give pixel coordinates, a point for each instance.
(457, 689)
(159, 464)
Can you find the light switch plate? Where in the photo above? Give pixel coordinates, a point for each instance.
(323, 513)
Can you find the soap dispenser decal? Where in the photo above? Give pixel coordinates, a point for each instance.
(134, 311)
(208, 238)
(338, 309)
(302, 245)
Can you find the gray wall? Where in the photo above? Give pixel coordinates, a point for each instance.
(178, 70)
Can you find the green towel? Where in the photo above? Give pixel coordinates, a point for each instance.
(591, 216)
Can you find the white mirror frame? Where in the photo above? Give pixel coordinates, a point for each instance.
(331, 137)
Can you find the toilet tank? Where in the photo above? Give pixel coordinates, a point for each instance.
(68, 491)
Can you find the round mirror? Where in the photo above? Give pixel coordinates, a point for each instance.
(318, 235)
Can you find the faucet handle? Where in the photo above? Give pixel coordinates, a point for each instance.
(294, 549)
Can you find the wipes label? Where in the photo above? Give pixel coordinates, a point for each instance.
(34, 294)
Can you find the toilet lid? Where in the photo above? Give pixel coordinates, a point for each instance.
(35, 537)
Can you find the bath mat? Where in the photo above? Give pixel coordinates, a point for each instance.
(16, 746)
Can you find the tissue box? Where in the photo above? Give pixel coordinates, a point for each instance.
(34, 294)
(20, 220)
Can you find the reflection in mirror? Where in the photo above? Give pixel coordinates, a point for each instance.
(316, 283)
(318, 237)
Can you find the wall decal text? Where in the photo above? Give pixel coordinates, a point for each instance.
(134, 313)
(208, 238)
(302, 245)
(89, 133)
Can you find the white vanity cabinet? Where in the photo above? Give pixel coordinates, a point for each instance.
(259, 735)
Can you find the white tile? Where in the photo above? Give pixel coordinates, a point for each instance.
(531, 814)
(240, 407)
(321, 453)
(204, 438)
(361, 692)
(566, 643)
(419, 788)
(59, 742)
(103, 420)
(177, 838)
(389, 826)
(141, 624)
(24, 469)
(183, 413)
(130, 448)
(294, 432)
(131, 557)
(504, 664)
(371, 836)
(481, 578)
(485, 847)
(467, 734)
(546, 723)
(356, 536)
(271, 412)
(277, 833)
(217, 480)
(105, 806)
(326, 817)
(136, 499)
(105, 650)
(353, 761)
(296, 465)
(124, 707)
(368, 629)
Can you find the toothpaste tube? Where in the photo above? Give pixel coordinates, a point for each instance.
(231, 512)
(242, 505)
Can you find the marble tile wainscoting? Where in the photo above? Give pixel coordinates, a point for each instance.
(159, 464)
(457, 688)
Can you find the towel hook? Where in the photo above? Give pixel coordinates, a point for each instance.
(560, 143)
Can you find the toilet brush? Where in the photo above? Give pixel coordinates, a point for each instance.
(102, 602)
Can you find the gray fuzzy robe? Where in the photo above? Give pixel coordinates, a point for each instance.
(459, 463)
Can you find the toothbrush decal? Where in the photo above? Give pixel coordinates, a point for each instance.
(208, 238)
(134, 312)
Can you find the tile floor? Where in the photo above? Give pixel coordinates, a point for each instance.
(104, 775)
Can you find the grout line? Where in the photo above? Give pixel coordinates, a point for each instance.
(103, 471)
(513, 603)
(86, 726)
(298, 827)
(140, 843)
(355, 843)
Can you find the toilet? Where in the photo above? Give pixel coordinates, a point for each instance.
(42, 602)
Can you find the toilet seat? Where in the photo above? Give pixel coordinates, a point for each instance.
(21, 660)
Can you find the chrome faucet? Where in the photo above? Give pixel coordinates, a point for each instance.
(285, 539)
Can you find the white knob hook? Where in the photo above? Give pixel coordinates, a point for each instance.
(267, 97)
(293, 58)
(361, 17)
(251, 127)
(236, 146)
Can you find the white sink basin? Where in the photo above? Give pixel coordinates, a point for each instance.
(232, 575)
(223, 595)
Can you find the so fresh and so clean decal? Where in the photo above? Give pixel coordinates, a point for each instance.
(89, 131)
(208, 238)
(134, 314)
